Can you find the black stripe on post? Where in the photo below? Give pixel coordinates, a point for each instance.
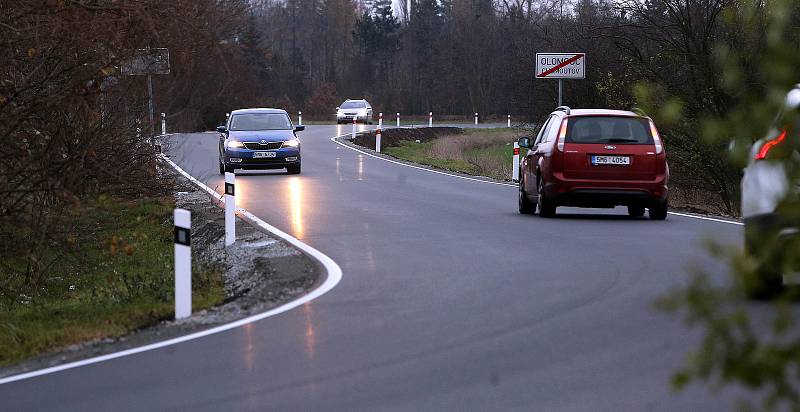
(183, 236)
(229, 190)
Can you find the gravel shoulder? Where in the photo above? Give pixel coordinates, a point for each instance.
(261, 270)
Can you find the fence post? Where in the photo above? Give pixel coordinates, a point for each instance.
(515, 164)
(183, 263)
(230, 208)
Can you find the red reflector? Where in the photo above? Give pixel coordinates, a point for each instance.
(762, 154)
(516, 151)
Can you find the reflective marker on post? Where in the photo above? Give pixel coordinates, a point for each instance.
(354, 128)
(183, 263)
(476, 119)
(230, 208)
(515, 165)
(300, 118)
(398, 119)
(430, 119)
(163, 124)
(378, 140)
(509, 120)
(380, 120)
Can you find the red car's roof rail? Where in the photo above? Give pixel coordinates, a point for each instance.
(564, 109)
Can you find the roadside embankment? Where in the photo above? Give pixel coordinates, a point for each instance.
(480, 152)
(119, 278)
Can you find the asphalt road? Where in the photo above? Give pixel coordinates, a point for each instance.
(450, 300)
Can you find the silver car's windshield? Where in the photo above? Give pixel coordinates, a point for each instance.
(260, 121)
(353, 105)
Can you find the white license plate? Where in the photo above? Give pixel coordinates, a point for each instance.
(259, 155)
(611, 160)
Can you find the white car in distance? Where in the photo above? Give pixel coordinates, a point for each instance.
(360, 110)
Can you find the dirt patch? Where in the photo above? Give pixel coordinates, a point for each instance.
(394, 137)
(261, 272)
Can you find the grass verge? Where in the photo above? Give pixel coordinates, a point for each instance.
(111, 275)
(483, 152)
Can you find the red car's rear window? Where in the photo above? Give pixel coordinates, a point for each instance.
(608, 129)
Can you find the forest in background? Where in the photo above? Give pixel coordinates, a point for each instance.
(72, 124)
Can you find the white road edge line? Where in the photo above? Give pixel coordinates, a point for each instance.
(335, 140)
(334, 275)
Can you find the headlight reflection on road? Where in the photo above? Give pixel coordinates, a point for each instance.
(296, 205)
(310, 339)
(249, 351)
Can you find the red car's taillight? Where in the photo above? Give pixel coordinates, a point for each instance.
(762, 153)
(656, 138)
(562, 135)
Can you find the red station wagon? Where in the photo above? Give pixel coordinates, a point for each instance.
(594, 158)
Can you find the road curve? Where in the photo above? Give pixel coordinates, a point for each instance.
(450, 300)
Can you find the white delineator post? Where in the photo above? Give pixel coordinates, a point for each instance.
(299, 118)
(378, 140)
(515, 164)
(476, 119)
(398, 119)
(183, 263)
(230, 208)
(163, 124)
(509, 120)
(380, 120)
(354, 128)
(430, 119)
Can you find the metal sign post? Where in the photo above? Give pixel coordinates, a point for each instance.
(147, 62)
(560, 66)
